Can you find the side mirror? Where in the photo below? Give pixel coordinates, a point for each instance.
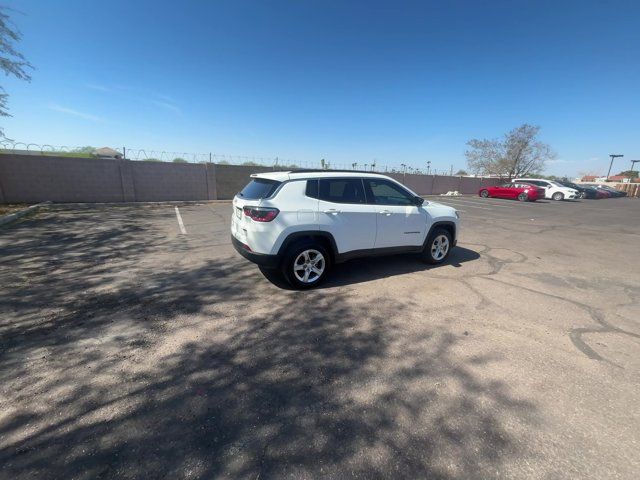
(418, 201)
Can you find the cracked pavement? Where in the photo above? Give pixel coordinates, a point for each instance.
(130, 350)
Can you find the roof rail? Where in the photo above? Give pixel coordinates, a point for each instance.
(312, 170)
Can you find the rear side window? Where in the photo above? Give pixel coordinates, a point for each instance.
(259, 188)
(341, 190)
(312, 189)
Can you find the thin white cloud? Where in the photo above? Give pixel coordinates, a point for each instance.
(70, 111)
(99, 88)
(167, 106)
(159, 100)
(166, 98)
(560, 160)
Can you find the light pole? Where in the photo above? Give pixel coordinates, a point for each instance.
(613, 157)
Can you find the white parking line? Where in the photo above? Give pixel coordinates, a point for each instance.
(482, 203)
(180, 223)
(472, 204)
(455, 205)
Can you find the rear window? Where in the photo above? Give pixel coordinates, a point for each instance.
(259, 188)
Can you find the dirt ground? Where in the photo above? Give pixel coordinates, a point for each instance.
(130, 350)
(6, 209)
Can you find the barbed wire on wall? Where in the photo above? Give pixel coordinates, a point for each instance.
(142, 154)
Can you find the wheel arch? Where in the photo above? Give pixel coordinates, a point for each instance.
(446, 225)
(325, 238)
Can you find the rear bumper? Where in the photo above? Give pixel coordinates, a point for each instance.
(268, 261)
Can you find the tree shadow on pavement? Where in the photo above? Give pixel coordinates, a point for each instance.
(374, 268)
(209, 371)
(366, 269)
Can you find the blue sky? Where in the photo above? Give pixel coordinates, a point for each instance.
(399, 82)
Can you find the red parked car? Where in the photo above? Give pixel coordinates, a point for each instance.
(522, 191)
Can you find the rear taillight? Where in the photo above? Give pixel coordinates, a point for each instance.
(261, 214)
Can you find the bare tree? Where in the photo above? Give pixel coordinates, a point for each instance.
(519, 153)
(12, 62)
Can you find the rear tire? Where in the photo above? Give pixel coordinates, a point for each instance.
(523, 197)
(306, 265)
(438, 247)
(484, 193)
(558, 196)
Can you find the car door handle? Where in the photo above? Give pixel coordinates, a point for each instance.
(332, 211)
(385, 212)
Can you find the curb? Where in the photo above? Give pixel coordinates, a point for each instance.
(12, 217)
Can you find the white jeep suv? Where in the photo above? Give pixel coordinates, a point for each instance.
(301, 222)
(552, 189)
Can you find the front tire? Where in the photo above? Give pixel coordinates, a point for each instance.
(438, 247)
(558, 196)
(306, 265)
(484, 193)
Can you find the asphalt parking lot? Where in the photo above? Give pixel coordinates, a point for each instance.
(129, 349)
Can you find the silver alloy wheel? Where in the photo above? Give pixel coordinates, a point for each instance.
(557, 196)
(484, 193)
(439, 247)
(309, 266)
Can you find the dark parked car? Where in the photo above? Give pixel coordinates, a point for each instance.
(586, 191)
(612, 191)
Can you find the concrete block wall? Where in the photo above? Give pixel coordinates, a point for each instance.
(162, 181)
(437, 184)
(33, 179)
(230, 179)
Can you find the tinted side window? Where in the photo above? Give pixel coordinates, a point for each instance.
(259, 188)
(341, 190)
(312, 189)
(384, 192)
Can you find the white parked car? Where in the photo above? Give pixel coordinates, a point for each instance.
(302, 222)
(553, 190)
